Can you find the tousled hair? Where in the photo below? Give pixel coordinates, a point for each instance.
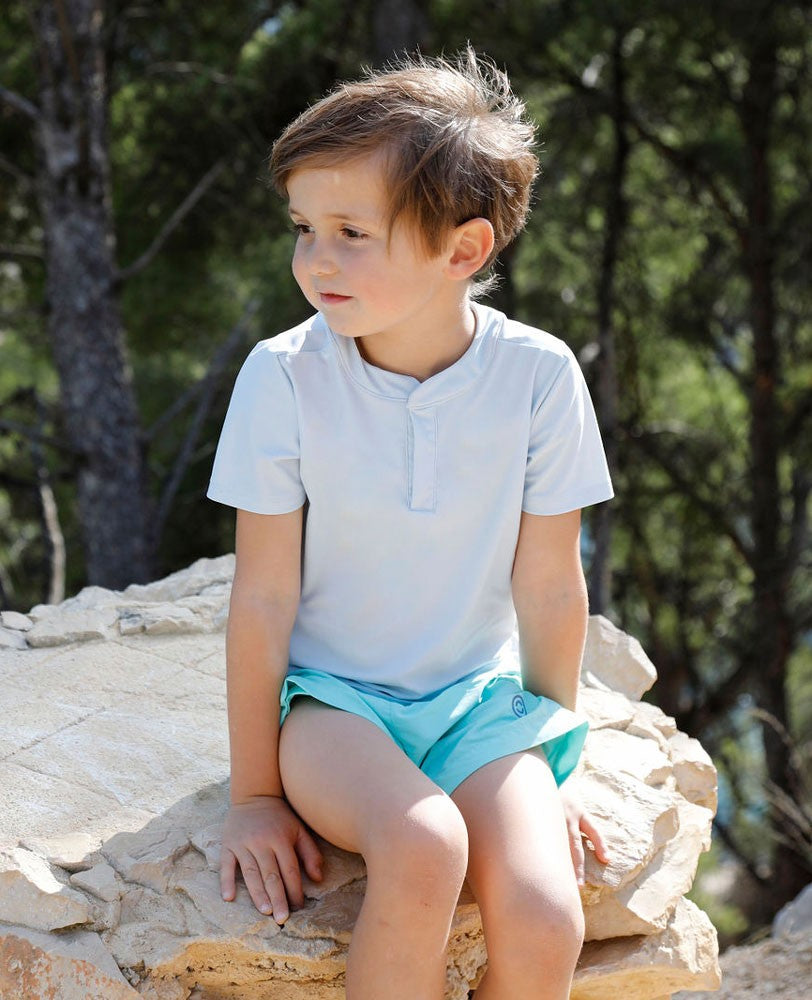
(456, 144)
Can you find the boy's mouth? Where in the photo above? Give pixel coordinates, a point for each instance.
(331, 299)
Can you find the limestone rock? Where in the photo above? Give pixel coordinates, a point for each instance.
(100, 880)
(192, 580)
(682, 956)
(693, 770)
(158, 619)
(113, 791)
(616, 659)
(72, 966)
(80, 625)
(32, 896)
(12, 639)
(14, 620)
(796, 917)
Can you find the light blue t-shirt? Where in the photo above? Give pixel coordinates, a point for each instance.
(414, 490)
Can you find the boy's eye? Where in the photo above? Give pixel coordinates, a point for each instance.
(300, 229)
(352, 234)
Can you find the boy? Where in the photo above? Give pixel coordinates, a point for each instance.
(409, 468)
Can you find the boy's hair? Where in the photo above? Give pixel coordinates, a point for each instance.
(456, 142)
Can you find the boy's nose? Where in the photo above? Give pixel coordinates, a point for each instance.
(319, 261)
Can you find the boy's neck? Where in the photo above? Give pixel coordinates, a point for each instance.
(424, 351)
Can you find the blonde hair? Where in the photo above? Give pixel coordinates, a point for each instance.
(456, 143)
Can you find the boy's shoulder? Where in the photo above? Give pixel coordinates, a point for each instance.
(311, 336)
(547, 346)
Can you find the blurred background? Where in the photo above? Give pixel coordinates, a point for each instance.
(142, 254)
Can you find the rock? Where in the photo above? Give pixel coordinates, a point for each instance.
(776, 968)
(693, 770)
(113, 791)
(158, 619)
(100, 880)
(32, 896)
(616, 659)
(796, 917)
(14, 620)
(81, 625)
(682, 956)
(192, 580)
(11, 639)
(72, 966)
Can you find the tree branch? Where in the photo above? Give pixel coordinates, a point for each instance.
(21, 104)
(726, 835)
(172, 223)
(687, 487)
(687, 164)
(30, 253)
(11, 168)
(12, 427)
(206, 389)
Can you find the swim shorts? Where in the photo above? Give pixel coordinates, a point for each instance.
(453, 732)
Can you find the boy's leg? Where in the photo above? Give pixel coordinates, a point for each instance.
(521, 872)
(352, 784)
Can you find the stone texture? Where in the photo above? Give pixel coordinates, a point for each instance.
(682, 956)
(775, 969)
(795, 918)
(74, 966)
(114, 787)
(616, 660)
(32, 896)
(11, 639)
(80, 625)
(14, 620)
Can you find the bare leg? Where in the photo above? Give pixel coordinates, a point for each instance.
(356, 788)
(521, 873)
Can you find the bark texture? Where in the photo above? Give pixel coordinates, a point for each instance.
(84, 320)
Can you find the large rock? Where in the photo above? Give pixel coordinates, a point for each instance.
(114, 786)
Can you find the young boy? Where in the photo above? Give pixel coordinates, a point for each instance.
(409, 468)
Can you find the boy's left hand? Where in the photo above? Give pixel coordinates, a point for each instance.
(579, 825)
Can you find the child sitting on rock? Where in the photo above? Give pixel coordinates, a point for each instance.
(408, 468)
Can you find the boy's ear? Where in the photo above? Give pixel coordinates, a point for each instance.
(470, 246)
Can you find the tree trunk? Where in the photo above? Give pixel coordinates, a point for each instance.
(84, 321)
(771, 626)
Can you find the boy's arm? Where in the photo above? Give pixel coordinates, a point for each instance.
(261, 834)
(549, 594)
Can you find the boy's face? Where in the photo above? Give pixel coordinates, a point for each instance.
(363, 276)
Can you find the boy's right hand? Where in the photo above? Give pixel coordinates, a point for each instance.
(268, 840)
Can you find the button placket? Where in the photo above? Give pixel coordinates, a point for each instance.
(423, 459)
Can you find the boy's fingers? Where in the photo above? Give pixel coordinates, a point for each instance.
(291, 875)
(310, 855)
(228, 865)
(254, 883)
(275, 888)
(594, 834)
(577, 851)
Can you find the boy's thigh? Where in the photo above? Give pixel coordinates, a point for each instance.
(518, 843)
(347, 779)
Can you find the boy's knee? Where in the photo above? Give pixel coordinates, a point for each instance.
(427, 845)
(541, 932)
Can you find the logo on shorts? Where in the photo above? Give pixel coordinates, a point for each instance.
(519, 707)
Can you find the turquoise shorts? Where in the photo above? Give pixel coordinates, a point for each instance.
(453, 732)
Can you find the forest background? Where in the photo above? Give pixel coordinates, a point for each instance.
(142, 253)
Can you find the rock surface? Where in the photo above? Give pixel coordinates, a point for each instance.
(113, 765)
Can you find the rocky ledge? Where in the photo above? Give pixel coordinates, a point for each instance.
(113, 776)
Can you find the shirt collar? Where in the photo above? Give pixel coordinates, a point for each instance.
(440, 387)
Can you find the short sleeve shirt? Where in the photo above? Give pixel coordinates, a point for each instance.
(414, 490)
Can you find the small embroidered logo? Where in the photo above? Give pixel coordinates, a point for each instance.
(519, 707)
